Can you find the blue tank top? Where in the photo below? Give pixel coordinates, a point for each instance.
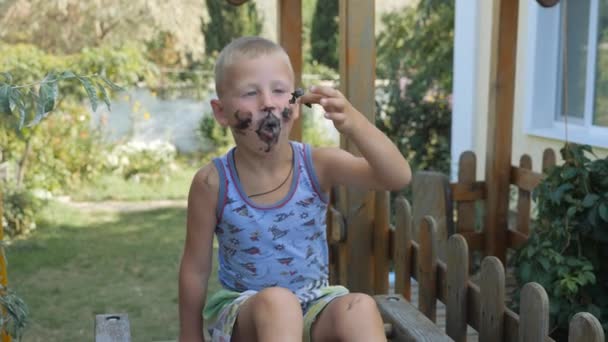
(283, 244)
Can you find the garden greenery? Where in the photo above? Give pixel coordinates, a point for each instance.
(568, 247)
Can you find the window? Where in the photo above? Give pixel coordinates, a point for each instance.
(567, 67)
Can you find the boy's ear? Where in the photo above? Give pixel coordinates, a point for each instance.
(218, 112)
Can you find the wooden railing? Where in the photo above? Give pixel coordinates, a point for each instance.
(480, 306)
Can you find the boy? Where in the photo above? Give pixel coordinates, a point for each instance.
(266, 201)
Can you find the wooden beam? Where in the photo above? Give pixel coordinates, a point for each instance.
(290, 38)
(500, 124)
(357, 75)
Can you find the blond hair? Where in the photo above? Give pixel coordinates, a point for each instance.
(244, 47)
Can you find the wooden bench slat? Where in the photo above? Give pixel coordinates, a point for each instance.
(408, 324)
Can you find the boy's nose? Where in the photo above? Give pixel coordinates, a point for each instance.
(267, 101)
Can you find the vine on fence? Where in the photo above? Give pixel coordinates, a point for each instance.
(568, 248)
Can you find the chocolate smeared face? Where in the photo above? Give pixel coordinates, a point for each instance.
(243, 121)
(286, 113)
(269, 130)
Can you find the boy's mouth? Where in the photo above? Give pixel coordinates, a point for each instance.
(269, 130)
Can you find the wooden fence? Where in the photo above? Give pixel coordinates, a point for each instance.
(481, 306)
(418, 247)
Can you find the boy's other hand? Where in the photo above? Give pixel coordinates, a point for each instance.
(337, 108)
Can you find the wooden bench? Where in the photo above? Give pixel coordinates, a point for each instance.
(404, 322)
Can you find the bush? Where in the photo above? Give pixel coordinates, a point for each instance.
(415, 56)
(324, 33)
(568, 247)
(227, 22)
(143, 161)
(19, 210)
(216, 140)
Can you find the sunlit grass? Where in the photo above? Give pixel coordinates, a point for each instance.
(79, 264)
(115, 187)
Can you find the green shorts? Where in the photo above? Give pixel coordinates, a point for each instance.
(222, 309)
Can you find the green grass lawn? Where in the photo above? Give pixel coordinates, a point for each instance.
(79, 264)
(115, 187)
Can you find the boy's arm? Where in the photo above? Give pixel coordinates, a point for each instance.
(382, 166)
(196, 260)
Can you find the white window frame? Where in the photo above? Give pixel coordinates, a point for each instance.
(540, 80)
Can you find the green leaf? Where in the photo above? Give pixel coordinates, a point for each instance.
(16, 102)
(7, 76)
(603, 211)
(544, 263)
(111, 84)
(571, 212)
(47, 94)
(525, 272)
(91, 91)
(67, 75)
(590, 200)
(568, 173)
(104, 95)
(5, 105)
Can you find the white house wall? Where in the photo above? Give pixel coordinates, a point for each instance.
(522, 142)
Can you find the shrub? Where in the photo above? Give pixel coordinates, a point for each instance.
(19, 210)
(568, 247)
(227, 22)
(324, 33)
(143, 161)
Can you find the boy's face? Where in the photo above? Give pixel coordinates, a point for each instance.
(255, 101)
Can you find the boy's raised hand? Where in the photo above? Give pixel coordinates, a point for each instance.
(337, 107)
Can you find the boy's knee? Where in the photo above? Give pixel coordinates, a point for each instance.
(358, 313)
(278, 299)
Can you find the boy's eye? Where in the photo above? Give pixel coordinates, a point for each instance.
(279, 91)
(250, 93)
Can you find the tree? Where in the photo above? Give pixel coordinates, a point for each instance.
(227, 22)
(68, 26)
(324, 35)
(415, 54)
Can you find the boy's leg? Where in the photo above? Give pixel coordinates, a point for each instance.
(352, 317)
(273, 314)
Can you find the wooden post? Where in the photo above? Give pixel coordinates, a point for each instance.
(357, 74)
(533, 313)
(290, 38)
(402, 251)
(523, 200)
(427, 268)
(584, 327)
(458, 281)
(381, 250)
(500, 124)
(492, 290)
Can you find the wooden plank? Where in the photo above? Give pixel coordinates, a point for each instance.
(534, 313)
(584, 327)
(468, 192)
(548, 159)
(523, 199)
(474, 240)
(357, 76)
(408, 324)
(430, 198)
(457, 283)
(112, 328)
(492, 289)
(289, 26)
(525, 179)
(381, 252)
(500, 124)
(427, 268)
(402, 249)
(515, 239)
